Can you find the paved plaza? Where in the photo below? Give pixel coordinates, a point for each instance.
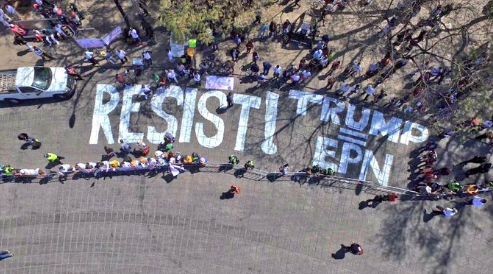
(160, 224)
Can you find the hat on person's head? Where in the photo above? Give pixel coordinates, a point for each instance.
(11, 25)
(23, 172)
(202, 160)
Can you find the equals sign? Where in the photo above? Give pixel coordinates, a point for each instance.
(352, 133)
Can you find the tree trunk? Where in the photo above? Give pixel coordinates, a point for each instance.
(125, 17)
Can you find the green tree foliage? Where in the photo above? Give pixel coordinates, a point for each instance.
(197, 18)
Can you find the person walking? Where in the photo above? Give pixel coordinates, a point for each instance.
(53, 158)
(5, 254)
(39, 52)
(447, 212)
(30, 141)
(477, 201)
(122, 55)
(354, 248)
(483, 168)
(71, 71)
(284, 169)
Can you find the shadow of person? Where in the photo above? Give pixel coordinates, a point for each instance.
(25, 146)
(225, 168)
(51, 165)
(240, 173)
(428, 216)
(227, 195)
(168, 178)
(221, 110)
(340, 254)
(363, 205)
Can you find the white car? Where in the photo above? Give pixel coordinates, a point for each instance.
(27, 83)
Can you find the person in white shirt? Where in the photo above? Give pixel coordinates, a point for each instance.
(11, 10)
(344, 88)
(277, 71)
(146, 56)
(64, 170)
(133, 33)
(305, 74)
(59, 30)
(124, 146)
(170, 56)
(170, 73)
(370, 91)
(196, 77)
(295, 79)
(146, 90)
(122, 55)
(28, 172)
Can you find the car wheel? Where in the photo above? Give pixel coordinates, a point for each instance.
(13, 101)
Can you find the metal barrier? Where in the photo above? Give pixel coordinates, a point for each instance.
(235, 170)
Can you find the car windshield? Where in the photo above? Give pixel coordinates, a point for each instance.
(42, 78)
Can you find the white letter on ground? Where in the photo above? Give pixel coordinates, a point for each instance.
(363, 121)
(268, 145)
(346, 156)
(217, 139)
(322, 153)
(100, 115)
(247, 102)
(407, 135)
(157, 106)
(188, 113)
(329, 112)
(303, 99)
(383, 175)
(127, 108)
(391, 128)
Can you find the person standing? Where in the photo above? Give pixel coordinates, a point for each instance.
(89, 56)
(147, 58)
(170, 56)
(330, 82)
(267, 67)
(277, 71)
(229, 99)
(233, 160)
(125, 147)
(135, 36)
(146, 91)
(170, 73)
(11, 11)
(122, 55)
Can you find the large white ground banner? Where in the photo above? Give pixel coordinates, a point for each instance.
(351, 140)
